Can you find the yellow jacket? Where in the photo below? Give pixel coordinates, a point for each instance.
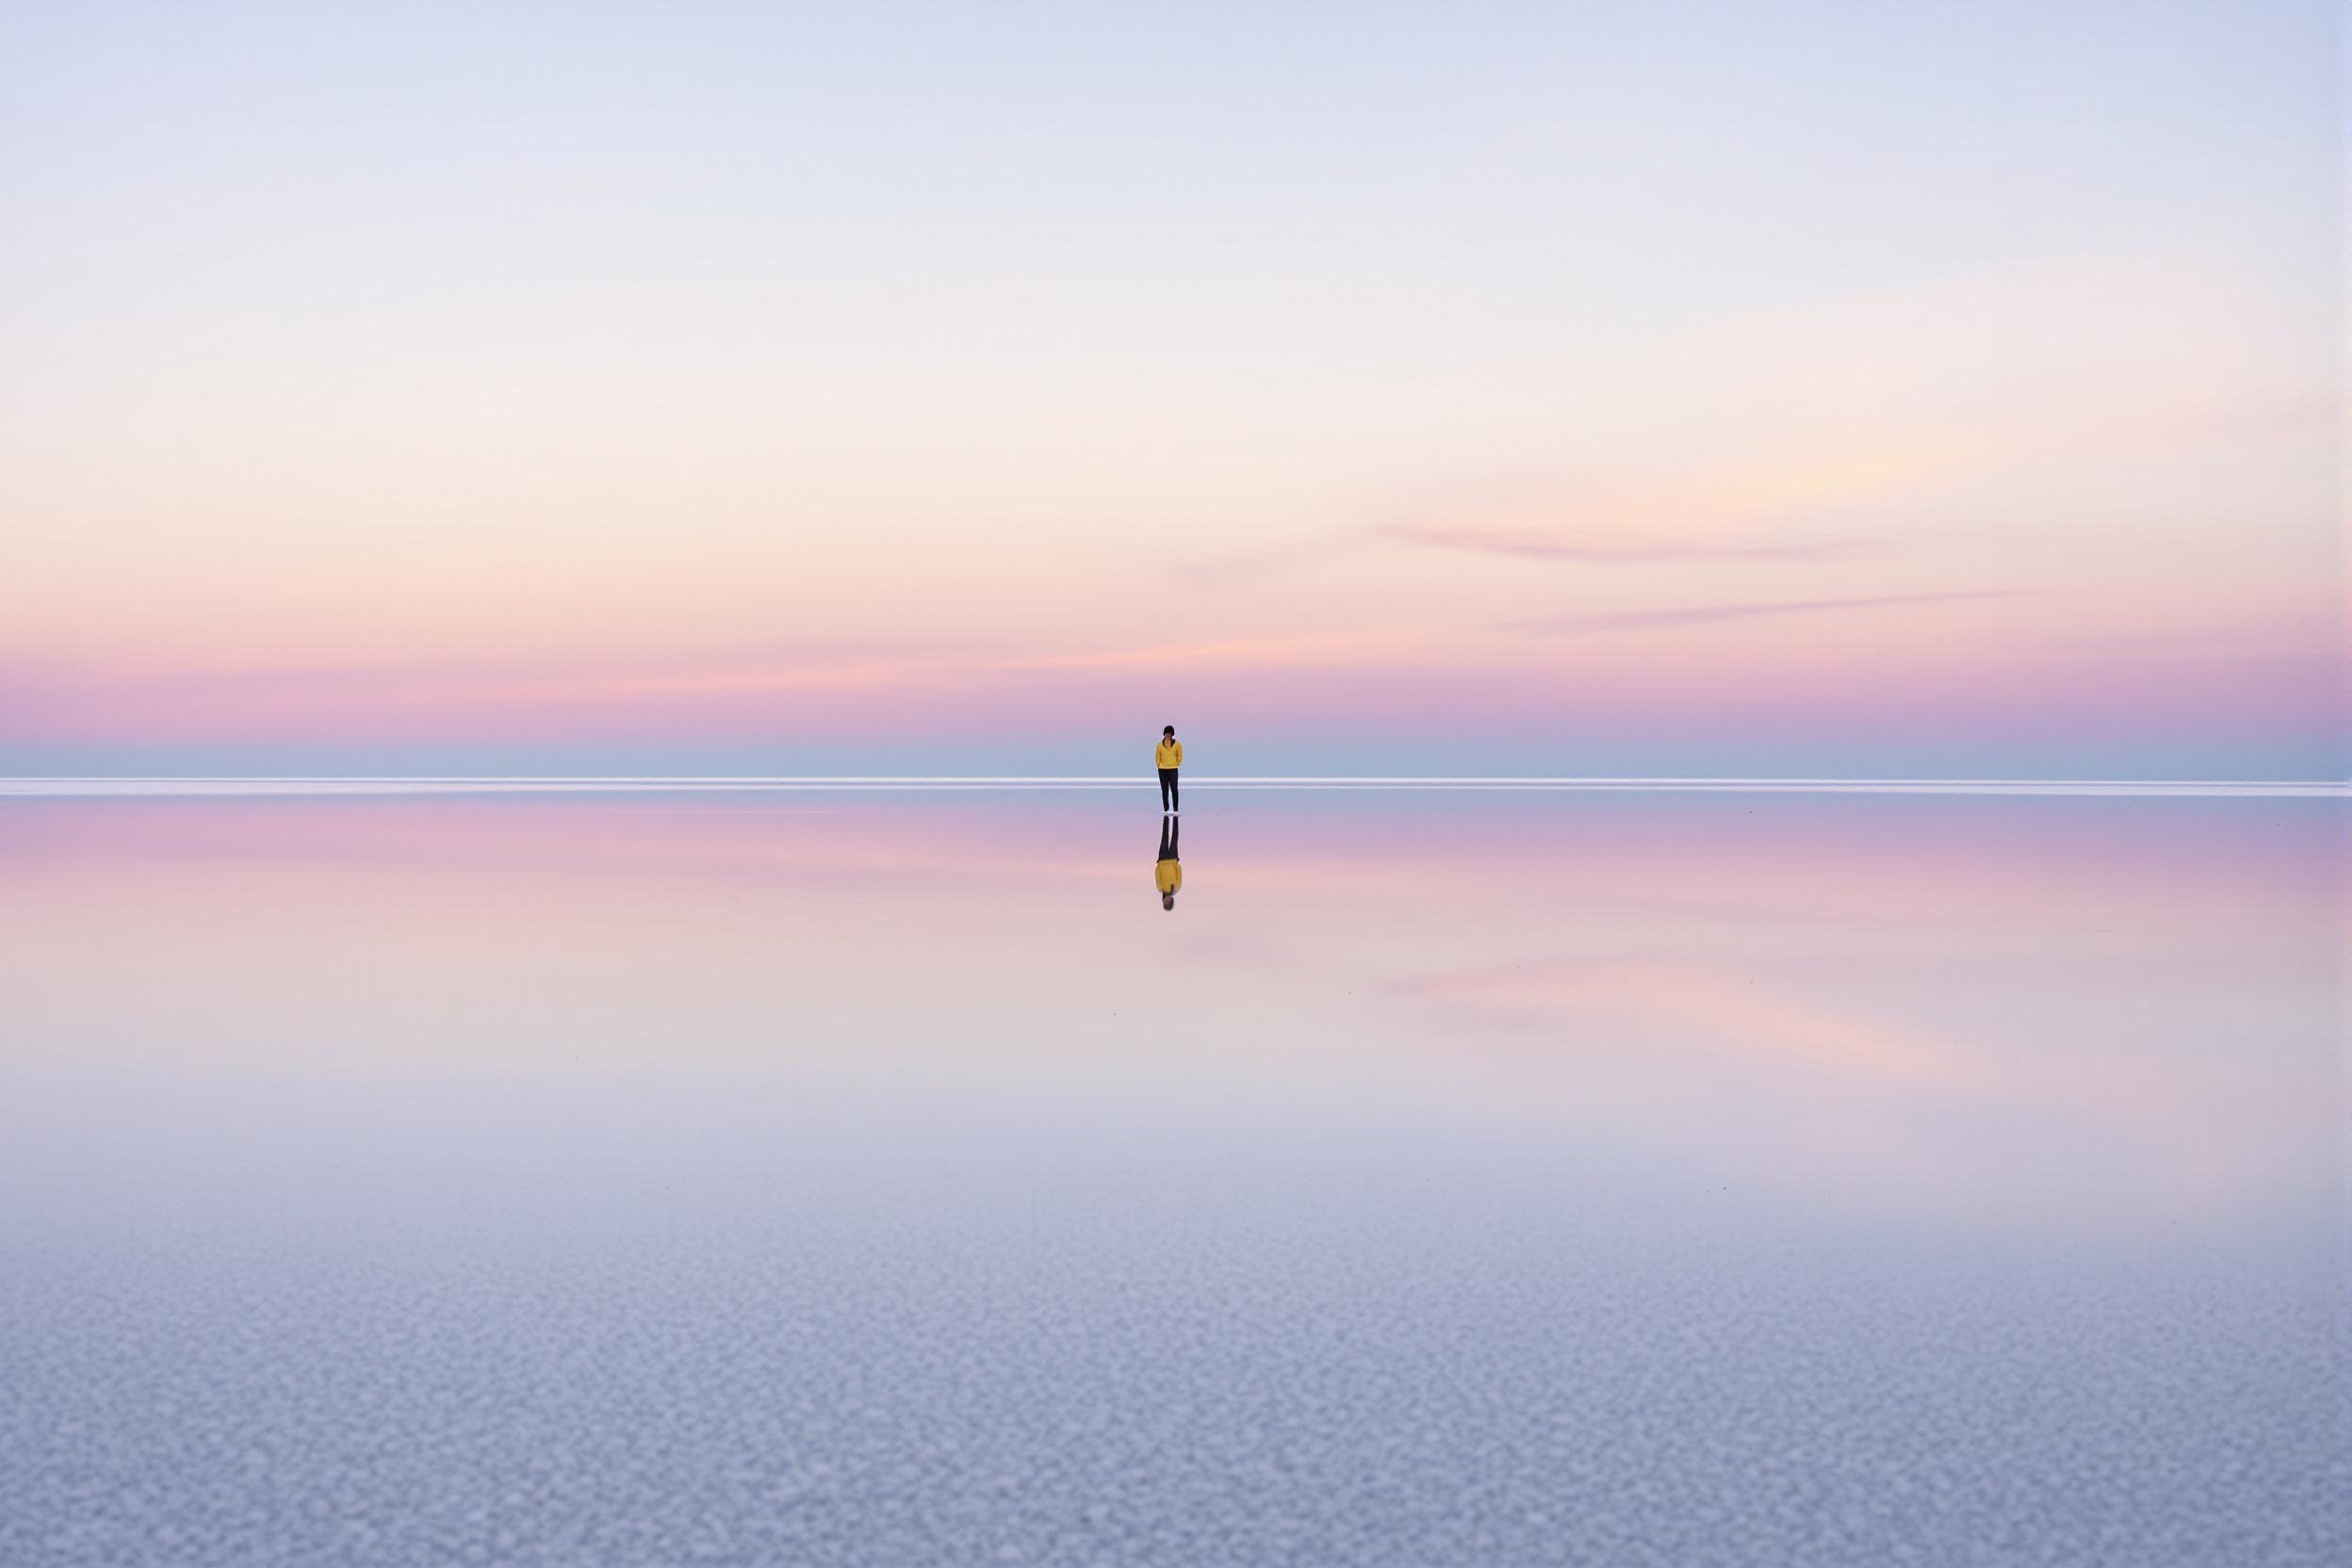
(1169, 874)
(1169, 754)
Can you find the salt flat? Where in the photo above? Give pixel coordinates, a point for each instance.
(845, 1177)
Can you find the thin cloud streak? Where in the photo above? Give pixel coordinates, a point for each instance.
(1243, 568)
(1542, 546)
(1644, 620)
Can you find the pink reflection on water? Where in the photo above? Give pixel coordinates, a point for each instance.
(2029, 1011)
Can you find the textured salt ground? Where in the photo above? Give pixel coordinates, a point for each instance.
(750, 1342)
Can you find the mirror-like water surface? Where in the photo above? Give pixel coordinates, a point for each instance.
(1386, 1179)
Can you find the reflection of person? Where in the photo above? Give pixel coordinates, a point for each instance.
(1168, 757)
(1169, 874)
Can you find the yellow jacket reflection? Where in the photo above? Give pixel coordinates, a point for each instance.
(1168, 875)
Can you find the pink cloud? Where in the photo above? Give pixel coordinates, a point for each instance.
(1631, 620)
(1541, 546)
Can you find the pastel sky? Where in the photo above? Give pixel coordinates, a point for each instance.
(1653, 388)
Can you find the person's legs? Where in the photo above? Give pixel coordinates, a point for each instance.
(1175, 802)
(1167, 787)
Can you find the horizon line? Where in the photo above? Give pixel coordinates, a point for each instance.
(62, 786)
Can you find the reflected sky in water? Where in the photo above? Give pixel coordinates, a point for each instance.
(860, 1178)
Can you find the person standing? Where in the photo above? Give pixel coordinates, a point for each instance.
(1168, 757)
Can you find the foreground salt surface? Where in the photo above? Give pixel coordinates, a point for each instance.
(536, 1200)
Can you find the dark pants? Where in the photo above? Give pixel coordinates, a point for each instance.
(1168, 788)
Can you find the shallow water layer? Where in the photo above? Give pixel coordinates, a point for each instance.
(856, 1178)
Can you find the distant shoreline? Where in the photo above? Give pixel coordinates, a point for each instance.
(142, 785)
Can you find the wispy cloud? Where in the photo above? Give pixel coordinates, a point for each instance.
(1642, 620)
(1536, 545)
(1513, 543)
(1237, 568)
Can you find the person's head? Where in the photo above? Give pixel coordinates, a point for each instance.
(1168, 733)
(1167, 902)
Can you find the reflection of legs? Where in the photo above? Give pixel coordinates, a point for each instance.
(1167, 838)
